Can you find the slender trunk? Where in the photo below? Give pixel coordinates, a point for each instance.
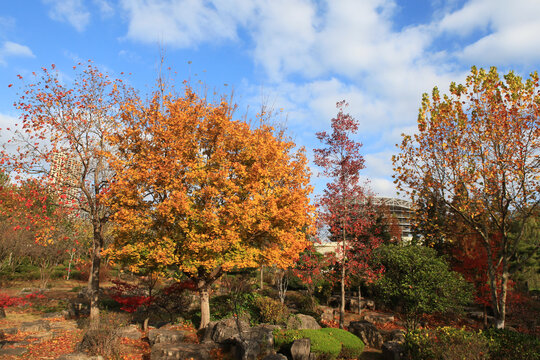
(485, 317)
(72, 255)
(93, 279)
(205, 306)
(262, 277)
(500, 321)
(342, 304)
(493, 283)
(359, 300)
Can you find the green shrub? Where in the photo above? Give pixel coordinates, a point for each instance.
(304, 303)
(222, 306)
(419, 281)
(323, 291)
(325, 346)
(271, 311)
(446, 343)
(508, 344)
(351, 345)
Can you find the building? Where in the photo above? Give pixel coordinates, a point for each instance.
(402, 210)
(64, 173)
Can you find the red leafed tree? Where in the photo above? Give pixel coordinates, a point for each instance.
(62, 142)
(345, 207)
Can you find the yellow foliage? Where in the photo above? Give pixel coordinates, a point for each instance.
(197, 190)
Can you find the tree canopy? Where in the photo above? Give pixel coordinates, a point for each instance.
(477, 152)
(201, 193)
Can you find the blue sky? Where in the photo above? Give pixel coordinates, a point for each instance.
(300, 56)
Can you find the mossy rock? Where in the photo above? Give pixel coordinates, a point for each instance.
(323, 345)
(351, 345)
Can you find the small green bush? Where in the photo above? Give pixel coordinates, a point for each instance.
(223, 307)
(351, 345)
(508, 344)
(271, 311)
(446, 343)
(325, 346)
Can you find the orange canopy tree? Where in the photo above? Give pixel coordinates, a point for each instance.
(477, 150)
(200, 193)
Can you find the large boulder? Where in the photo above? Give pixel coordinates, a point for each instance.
(379, 318)
(393, 350)
(130, 331)
(301, 321)
(224, 331)
(80, 356)
(165, 336)
(300, 349)
(368, 332)
(182, 351)
(327, 313)
(277, 356)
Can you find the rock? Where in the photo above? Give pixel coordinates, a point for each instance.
(130, 332)
(277, 356)
(224, 331)
(300, 349)
(397, 335)
(28, 291)
(327, 313)
(52, 315)
(165, 336)
(352, 304)
(392, 350)
(35, 326)
(10, 331)
(255, 342)
(43, 336)
(75, 309)
(17, 351)
(182, 351)
(301, 321)
(368, 332)
(79, 356)
(379, 318)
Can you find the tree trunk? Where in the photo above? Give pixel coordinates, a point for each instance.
(93, 279)
(342, 305)
(205, 307)
(359, 300)
(501, 318)
(262, 277)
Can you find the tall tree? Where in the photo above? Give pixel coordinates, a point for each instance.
(345, 206)
(477, 150)
(62, 142)
(200, 193)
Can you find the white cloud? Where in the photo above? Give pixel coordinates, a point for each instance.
(180, 23)
(105, 8)
(10, 48)
(71, 11)
(508, 31)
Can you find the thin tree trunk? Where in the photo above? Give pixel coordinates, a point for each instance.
(342, 304)
(205, 307)
(262, 277)
(93, 279)
(359, 300)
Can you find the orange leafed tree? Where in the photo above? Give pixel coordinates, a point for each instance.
(477, 150)
(200, 193)
(61, 142)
